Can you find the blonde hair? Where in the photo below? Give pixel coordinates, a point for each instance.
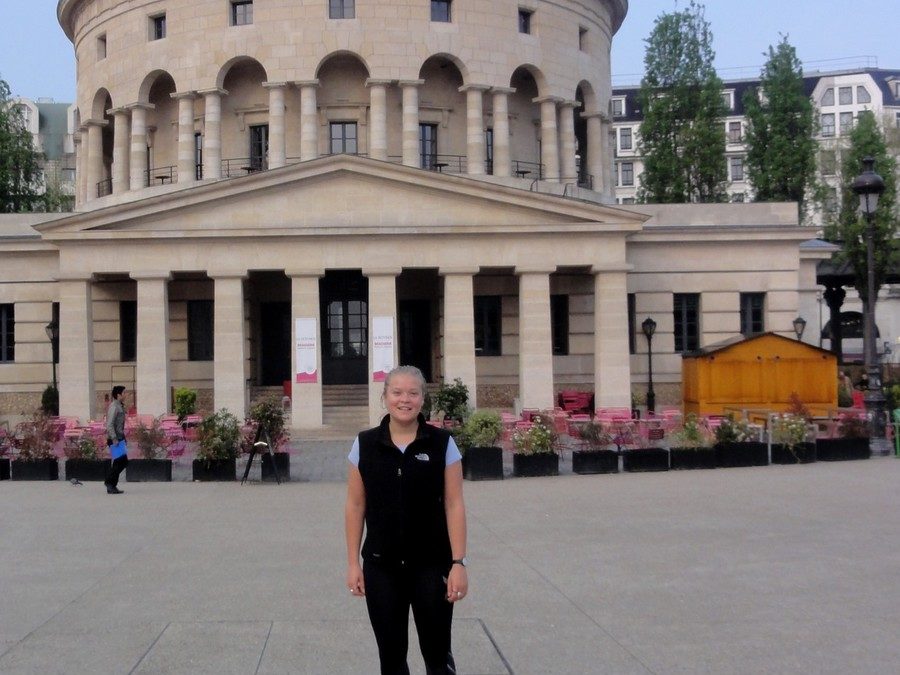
(412, 371)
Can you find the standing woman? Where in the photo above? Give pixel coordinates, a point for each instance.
(405, 484)
(115, 439)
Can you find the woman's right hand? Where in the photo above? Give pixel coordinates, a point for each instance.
(355, 581)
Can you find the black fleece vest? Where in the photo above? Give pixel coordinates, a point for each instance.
(405, 518)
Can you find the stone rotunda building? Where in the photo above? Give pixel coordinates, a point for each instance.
(312, 191)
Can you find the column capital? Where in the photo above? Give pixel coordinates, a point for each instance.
(534, 269)
(275, 85)
(117, 111)
(468, 271)
(94, 123)
(503, 90)
(299, 272)
(547, 99)
(603, 117)
(306, 83)
(139, 105)
(382, 271)
(474, 87)
(566, 103)
(226, 274)
(213, 90)
(178, 95)
(604, 269)
(151, 275)
(411, 83)
(373, 82)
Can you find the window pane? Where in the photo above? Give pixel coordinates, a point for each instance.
(752, 317)
(828, 97)
(487, 325)
(687, 326)
(559, 317)
(7, 333)
(440, 10)
(845, 95)
(128, 330)
(828, 124)
(862, 95)
(846, 122)
(625, 138)
(200, 330)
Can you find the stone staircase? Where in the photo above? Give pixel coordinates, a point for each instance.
(345, 409)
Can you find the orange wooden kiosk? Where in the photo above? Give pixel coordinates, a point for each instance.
(757, 374)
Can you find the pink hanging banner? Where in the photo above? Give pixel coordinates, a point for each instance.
(307, 348)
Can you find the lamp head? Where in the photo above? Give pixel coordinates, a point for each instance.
(649, 327)
(799, 326)
(52, 331)
(868, 186)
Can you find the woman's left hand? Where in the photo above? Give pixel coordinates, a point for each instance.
(457, 583)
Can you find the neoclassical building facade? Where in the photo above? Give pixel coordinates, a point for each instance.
(311, 191)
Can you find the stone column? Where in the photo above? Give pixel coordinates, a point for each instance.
(459, 328)
(186, 160)
(567, 140)
(138, 161)
(411, 155)
(276, 124)
(94, 156)
(378, 118)
(306, 398)
(79, 168)
(382, 302)
(535, 339)
(309, 120)
(607, 159)
(153, 381)
(212, 133)
(474, 128)
(121, 145)
(612, 362)
(595, 153)
(502, 158)
(76, 349)
(229, 347)
(549, 137)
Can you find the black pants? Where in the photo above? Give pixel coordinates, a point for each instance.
(118, 466)
(390, 592)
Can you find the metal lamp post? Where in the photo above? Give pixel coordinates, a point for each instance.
(649, 328)
(52, 330)
(799, 327)
(869, 185)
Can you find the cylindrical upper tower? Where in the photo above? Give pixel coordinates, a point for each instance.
(185, 90)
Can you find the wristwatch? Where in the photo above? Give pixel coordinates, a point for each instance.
(461, 561)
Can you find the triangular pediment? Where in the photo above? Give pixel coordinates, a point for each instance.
(342, 195)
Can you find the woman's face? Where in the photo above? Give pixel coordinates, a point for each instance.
(404, 398)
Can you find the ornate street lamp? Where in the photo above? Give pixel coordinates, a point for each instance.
(869, 185)
(799, 327)
(649, 328)
(52, 330)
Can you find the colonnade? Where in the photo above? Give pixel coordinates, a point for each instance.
(129, 161)
(612, 375)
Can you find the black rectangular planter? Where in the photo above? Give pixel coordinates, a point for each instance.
(693, 458)
(841, 449)
(538, 464)
(595, 461)
(805, 453)
(483, 464)
(87, 469)
(215, 470)
(148, 471)
(282, 461)
(748, 453)
(4, 468)
(39, 469)
(646, 459)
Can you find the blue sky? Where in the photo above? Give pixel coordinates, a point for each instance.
(37, 60)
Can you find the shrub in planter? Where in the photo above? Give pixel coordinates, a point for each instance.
(789, 440)
(691, 445)
(535, 449)
(219, 441)
(451, 400)
(33, 442)
(596, 454)
(152, 465)
(84, 459)
(852, 443)
(737, 444)
(483, 459)
(50, 401)
(185, 402)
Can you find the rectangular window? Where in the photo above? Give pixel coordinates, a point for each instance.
(7, 333)
(582, 39)
(862, 95)
(128, 330)
(828, 97)
(440, 10)
(559, 322)
(632, 314)
(428, 145)
(200, 330)
(618, 107)
(489, 151)
(158, 27)
(198, 156)
(259, 148)
(626, 174)
(752, 313)
(101, 47)
(828, 162)
(828, 124)
(897, 119)
(55, 344)
(341, 9)
(241, 12)
(846, 122)
(525, 21)
(728, 100)
(734, 132)
(627, 200)
(625, 139)
(845, 95)
(687, 322)
(736, 164)
(488, 325)
(343, 138)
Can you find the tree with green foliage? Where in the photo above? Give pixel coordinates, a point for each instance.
(867, 140)
(781, 150)
(682, 136)
(19, 169)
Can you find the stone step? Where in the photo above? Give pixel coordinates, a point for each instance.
(343, 395)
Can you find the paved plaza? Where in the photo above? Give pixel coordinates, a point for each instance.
(791, 569)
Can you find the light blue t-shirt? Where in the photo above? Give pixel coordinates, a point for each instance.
(453, 455)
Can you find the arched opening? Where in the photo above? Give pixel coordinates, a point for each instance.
(342, 95)
(100, 112)
(162, 128)
(525, 124)
(584, 94)
(442, 115)
(245, 118)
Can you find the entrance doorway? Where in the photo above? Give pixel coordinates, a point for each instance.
(414, 326)
(275, 343)
(345, 327)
